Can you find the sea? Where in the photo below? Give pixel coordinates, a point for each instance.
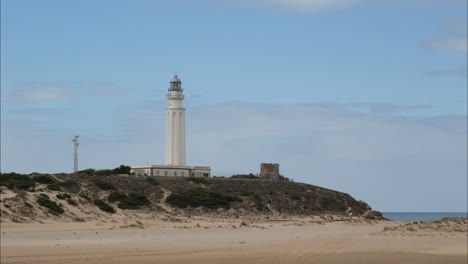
(408, 216)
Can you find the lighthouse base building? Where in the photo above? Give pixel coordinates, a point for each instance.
(175, 141)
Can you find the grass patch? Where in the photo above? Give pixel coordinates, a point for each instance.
(72, 202)
(103, 185)
(152, 181)
(198, 180)
(133, 201)
(201, 197)
(116, 197)
(63, 196)
(44, 179)
(55, 208)
(54, 187)
(104, 206)
(70, 185)
(16, 181)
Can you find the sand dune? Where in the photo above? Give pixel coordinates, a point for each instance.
(203, 241)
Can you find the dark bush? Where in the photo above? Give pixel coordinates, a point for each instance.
(18, 181)
(103, 185)
(53, 207)
(122, 169)
(197, 180)
(70, 185)
(63, 196)
(104, 206)
(54, 187)
(44, 179)
(103, 173)
(71, 201)
(295, 197)
(116, 197)
(89, 172)
(331, 204)
(44, 195)
(247, 193)
(84, 196)
(152, 181)
(133, 201)
(201, 197)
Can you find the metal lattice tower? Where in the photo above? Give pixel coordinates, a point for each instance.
(75, 158)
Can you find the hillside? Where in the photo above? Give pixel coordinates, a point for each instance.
(65, 197)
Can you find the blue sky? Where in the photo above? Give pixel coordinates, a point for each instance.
(366, 97)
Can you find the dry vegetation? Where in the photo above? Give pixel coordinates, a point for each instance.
(42, 197)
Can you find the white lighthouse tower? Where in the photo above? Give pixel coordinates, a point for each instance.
(175, 141)
(175, 124)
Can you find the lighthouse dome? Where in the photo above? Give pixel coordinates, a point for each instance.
(175, 79)
(176, 84)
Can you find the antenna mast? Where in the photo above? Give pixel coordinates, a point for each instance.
(75, 158)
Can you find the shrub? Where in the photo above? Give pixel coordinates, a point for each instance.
(54, 187)
(43, 200)
(103, 173)
(28, 205)
(70, 185)
(63, 196)
(104, 206)
(201, 197)
(18, 181)
(84, 196)
(44, 195)
(295, 197)
(152, 181)
(71, 201)
(115, 197)
(103, 185)
(89, 172)
(122, 169)
(133, 201)
(44, 179)
(247, 193)
(197, 180)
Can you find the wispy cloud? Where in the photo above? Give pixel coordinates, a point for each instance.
(49, 92)
(301, 5)
(454, 39)
(457, 44)
(458, 71)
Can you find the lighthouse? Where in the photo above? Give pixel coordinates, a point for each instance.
(175, 124)
(174, 165)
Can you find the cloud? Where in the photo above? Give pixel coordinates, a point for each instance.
(301, 5)
(451, 43)
(457, 71)
(49, 92)
(388, 109)
(454, 39)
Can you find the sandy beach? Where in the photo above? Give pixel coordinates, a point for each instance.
(226, 242)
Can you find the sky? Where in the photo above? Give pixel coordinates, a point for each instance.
(368, 97)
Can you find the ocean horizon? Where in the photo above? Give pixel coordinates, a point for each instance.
(421, 216)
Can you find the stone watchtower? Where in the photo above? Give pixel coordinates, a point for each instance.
(269, 171)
